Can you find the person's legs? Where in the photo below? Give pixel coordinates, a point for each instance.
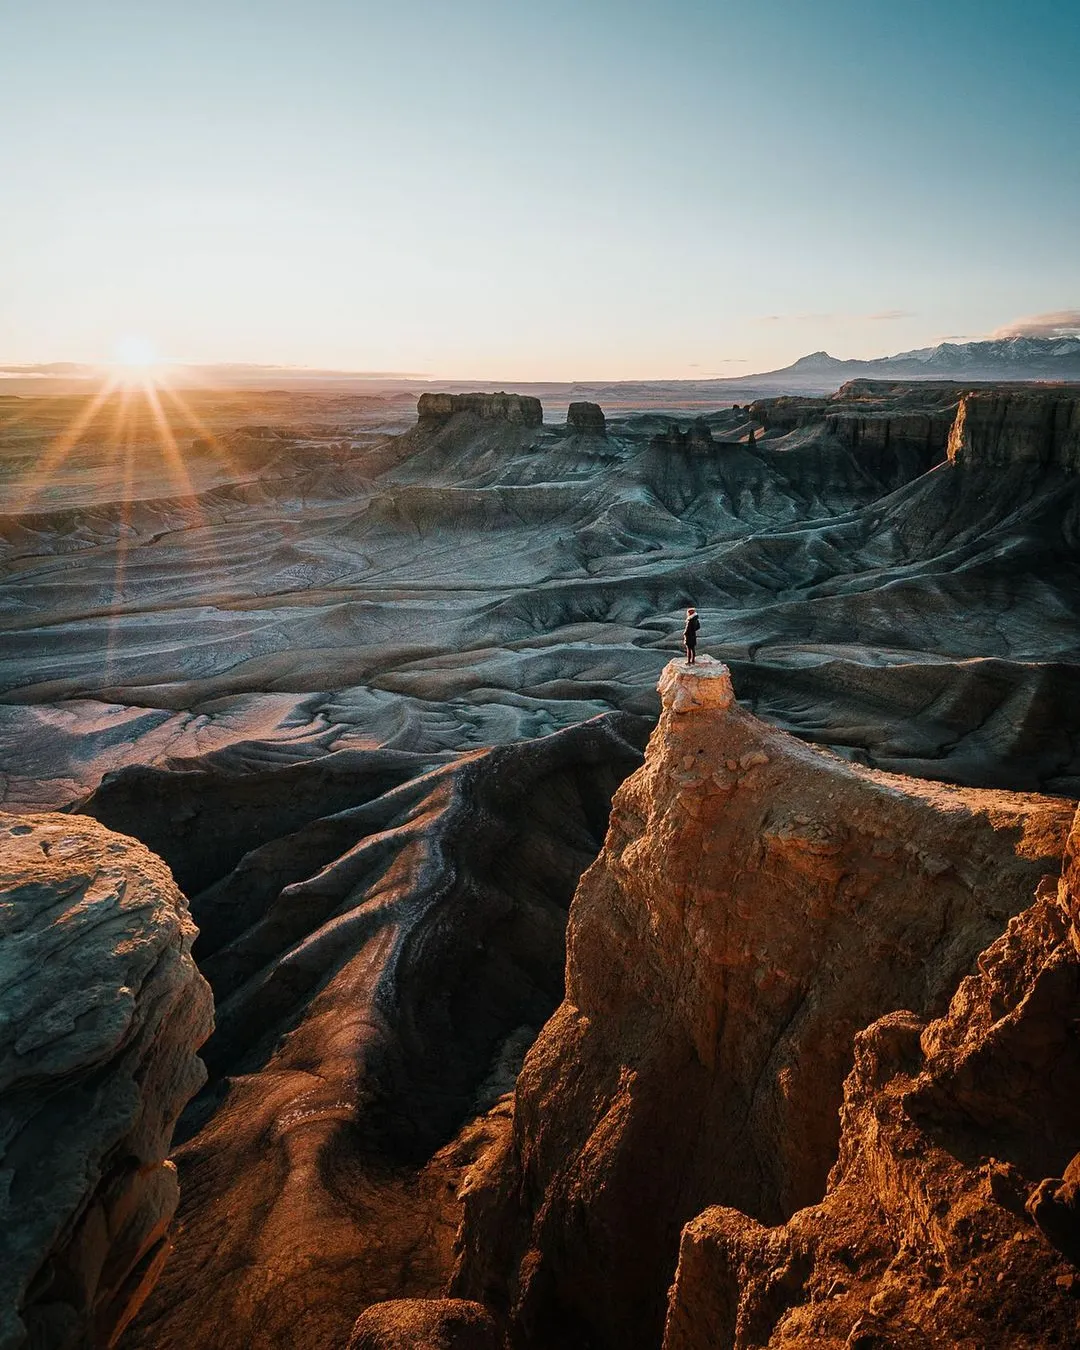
(691, 652)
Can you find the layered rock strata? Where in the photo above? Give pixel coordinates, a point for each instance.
(898, 432)
(998, 429)
(518, 409)
(940, 1226)
(586, 419)
(757, 903)
(101, 1013)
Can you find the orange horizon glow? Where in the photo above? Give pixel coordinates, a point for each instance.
(133, 378)
(130, 390)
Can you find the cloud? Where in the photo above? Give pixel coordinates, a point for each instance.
(882, 316)
(46, 369)
(1059, 323)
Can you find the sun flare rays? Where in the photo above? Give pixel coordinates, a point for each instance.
(120, 455)
(131, 399)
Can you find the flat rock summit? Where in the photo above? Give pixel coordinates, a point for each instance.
(404, 945)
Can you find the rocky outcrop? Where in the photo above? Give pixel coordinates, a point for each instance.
(586, 419)
(913, 441)
(426, 1324)
(756, 905)
(101, 1013)
(517, 409)
(998, 429)
(697, 436)
(897, 433)
(940, 1226)
(787, 413)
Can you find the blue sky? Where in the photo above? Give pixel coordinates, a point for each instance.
(516, 191)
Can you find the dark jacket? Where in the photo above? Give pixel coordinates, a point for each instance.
(690, 632)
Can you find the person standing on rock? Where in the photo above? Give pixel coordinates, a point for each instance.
(690, 632)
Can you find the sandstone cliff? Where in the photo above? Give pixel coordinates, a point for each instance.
(940, 1226)
(101, 1012)
(999, 429)
(757, 903)
(519, 409)
(895, 432)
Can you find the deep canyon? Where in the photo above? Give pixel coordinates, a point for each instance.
(550, 1008)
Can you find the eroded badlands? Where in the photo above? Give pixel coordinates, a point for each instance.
(368, 683)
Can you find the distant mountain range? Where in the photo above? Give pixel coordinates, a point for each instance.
(1014, 358)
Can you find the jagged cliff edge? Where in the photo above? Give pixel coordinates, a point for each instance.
(757, 904)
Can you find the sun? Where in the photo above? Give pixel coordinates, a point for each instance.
(136, 381)
(134, 361)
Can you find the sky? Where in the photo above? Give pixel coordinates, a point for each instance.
(573, 189)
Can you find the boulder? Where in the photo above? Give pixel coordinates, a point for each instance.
(426, 1324)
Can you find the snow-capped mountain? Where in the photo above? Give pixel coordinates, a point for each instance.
(1013, 358)
(1006, 351)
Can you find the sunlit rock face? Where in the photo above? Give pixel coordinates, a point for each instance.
(706, 684)
(940, 1225)
(757, 903)
(998, 429)
(101, 1013)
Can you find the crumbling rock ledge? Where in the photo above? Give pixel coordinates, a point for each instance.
(101, 1013)
(939, 1227)
(756, 905)
(706, 684)
(426, 1324)
(518, 409)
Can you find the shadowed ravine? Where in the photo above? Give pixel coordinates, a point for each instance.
(378, 973)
